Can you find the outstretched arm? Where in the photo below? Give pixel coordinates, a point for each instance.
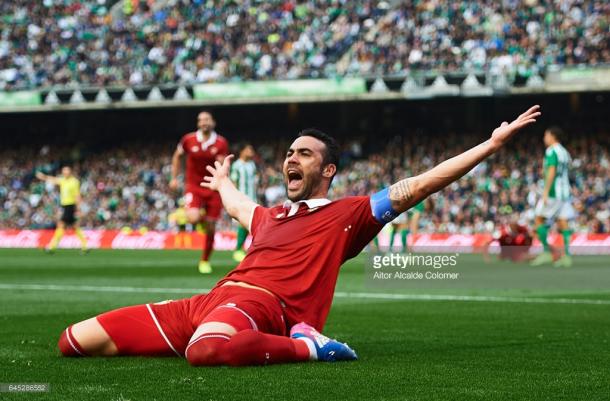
(408, 192)
(47, 178)
(238, 205)
(173, 183)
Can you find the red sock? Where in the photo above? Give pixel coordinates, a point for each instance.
(248, 347)
(68, 345)
(208, 246)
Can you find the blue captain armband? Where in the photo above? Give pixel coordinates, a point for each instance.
(381, 205)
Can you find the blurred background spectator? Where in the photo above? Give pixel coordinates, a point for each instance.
(102, 42)
(128, 186)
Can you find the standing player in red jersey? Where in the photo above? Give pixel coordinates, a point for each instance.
(273, 305)
(202, 148)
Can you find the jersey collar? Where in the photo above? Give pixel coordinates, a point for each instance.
(210, 141)
(311, 204)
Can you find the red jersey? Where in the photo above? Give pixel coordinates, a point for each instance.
(201, 153)
(296, 254)
(508, 237)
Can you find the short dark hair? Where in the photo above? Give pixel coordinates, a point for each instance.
(243, 145)
(207, 112)
(557, 132)
(332, 154)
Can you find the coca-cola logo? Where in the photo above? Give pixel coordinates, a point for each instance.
(19, 239)
(93, 237)
(150, 240)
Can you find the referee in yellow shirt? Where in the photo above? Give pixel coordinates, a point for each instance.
(69, 198)
(180, 219)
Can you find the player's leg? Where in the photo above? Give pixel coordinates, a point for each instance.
(545, 212)
(251, 333)
(248, 347)
(566, 213)
(376, 243)
(392, 235)
(239, 254)
(542, 230)
(229, 335)
(194, 204)
(81, 236)
(213, 206)
(566, 233)
(414, 225)
(133, 330)
(72, 220)
(57, 235)
(178, 240)
(188, 242)
(210, 232)
(86, 338)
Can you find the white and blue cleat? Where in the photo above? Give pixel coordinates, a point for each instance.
(321, 347)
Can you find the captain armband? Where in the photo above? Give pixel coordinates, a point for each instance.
(381, 206)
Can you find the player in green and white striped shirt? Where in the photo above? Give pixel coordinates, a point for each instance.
(556, 199)
(243, 174)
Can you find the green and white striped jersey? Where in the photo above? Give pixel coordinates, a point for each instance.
(243, 174)
(556, 155)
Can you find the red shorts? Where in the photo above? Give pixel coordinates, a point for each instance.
(165, 328)
(201, 198)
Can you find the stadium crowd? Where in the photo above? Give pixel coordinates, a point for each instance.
(67, 42)
(128, 187)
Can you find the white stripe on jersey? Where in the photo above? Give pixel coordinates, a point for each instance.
(562, 180)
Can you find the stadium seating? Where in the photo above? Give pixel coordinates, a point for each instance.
(128, 186)
(86, 43)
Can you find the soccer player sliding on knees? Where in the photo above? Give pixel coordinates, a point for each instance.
(272, 307)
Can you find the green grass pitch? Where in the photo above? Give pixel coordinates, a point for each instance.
(410, 349)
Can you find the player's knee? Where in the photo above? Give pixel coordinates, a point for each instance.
(204, 353)
(193, 215)
(88, 338)
(210, 226)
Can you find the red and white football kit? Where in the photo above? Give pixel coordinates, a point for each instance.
(296, 254)
(201, 153)
(514, 245)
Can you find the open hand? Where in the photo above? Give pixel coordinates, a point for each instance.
(505, 131)
(219, 172)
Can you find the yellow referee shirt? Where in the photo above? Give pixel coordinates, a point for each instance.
(69, 189)
(179, 216)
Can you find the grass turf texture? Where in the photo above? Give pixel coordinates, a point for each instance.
(408, 349)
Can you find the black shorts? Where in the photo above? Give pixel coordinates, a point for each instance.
(182, 228)
(69, 214)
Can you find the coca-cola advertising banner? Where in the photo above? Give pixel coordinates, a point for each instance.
(584, 244)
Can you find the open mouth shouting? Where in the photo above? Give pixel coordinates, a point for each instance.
(295, 179)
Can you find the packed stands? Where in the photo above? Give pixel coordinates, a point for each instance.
(91, 43)
(128, 186)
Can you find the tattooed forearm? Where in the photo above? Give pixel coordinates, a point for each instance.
(400, 194)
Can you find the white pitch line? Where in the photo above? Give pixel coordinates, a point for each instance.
(356, 295)
(95, 288)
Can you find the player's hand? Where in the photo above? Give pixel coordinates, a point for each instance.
(40, 175)
(173, 184)
(219, 172)
(505, 131)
